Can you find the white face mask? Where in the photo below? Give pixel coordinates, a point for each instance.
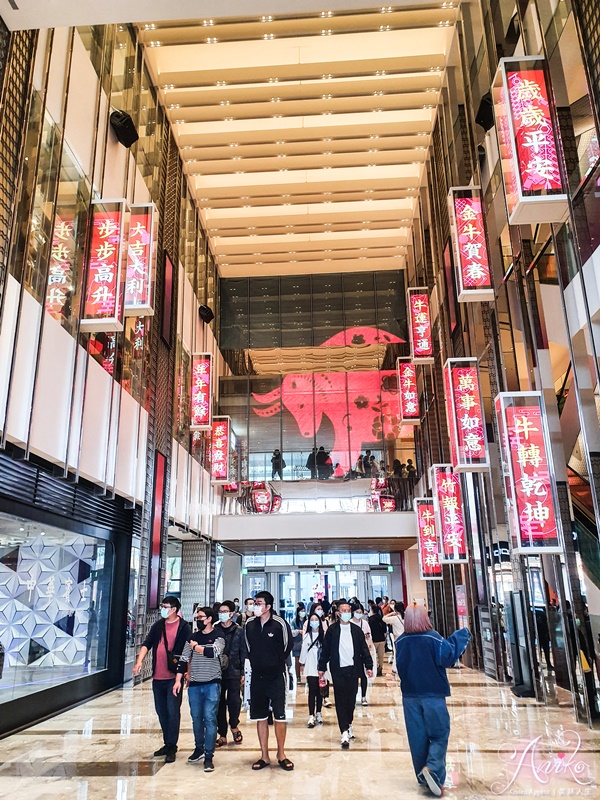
(319, 612)
(164, 612)
(250, 608)
(358, 615)
(258, 610)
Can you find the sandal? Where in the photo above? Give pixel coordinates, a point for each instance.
(260, 764)
(221, 741)
(286, 764)
(237, 737)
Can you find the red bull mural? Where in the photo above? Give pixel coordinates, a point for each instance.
(361, 406)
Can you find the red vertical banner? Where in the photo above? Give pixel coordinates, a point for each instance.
(408, 392)
(466, 421)
(449, 513)
(59, 291)
(220, 450)
(156, 543)
(140, 261)
(467, 226)
(419, 320)
(528, 136)
(201, 392)
(103, 309)
(429, 549)
(528, 473)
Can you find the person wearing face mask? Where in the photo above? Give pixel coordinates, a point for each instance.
(297, 628)
(312, 642)
(268, 640)
(317, 609)
(201, 660)
(395, 619)
(167, 639)
(346, 652)
(378, 634)
(359, 618)
(248, 612)
(233, 671)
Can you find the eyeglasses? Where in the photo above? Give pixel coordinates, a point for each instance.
(201, 617)
(259, 603)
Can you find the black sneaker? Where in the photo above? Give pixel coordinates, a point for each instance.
(196, 756)
(208, 765)
(171, 756)
(162, 752)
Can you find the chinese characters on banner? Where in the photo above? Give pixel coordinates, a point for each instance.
(103, 295)
(429, 549)
(466, 420)
(220, 446)
(408, 393)
(60, 278)
(528, 139)
(528, 474)
(449, 514)
(140, 254)
(474, 278)
(201, 393)
(262, 500)
(421, 341)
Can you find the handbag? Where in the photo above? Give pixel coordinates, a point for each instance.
(172, 659)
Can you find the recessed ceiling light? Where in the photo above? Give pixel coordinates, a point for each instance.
(228, 119)
(224, 103)
(268, 36)
(326, 32)
(221, 83)
(378, 93)
(327, 77)
(212, 40)
(233, 144)
(208, 22)
(385, 28)
(276, 99)
(268, 18)
(325, 97)
(327, 152)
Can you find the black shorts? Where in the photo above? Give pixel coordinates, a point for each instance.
(265, 693)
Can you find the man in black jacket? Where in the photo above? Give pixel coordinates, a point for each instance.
(345, 650)
(166, 638)
(268, 639)
(231, 682)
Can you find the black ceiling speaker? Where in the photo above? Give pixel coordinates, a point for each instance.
(205, 313)
(123, 128)
(485, 112)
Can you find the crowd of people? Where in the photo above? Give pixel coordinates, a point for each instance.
(232, 656)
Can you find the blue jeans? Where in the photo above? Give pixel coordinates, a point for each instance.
(428, 730)
(168, 709)
(204, 703)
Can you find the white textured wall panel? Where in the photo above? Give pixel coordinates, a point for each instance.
(113, 433)
(127, 449)
(57, 76)
(77, 413)
(80, 126)
(21, 386)
(173, 488)
(96, 414)
(181, 502)
(189, 314)
(7, 339)
(195, 488)
(142, 455)
(52, 401)
(115, 168)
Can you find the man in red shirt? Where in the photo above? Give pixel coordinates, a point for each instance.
(166, 638)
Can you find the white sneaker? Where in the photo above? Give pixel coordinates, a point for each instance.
(351, 732)
(364, 701)
(431, 782)
(311, 722)
(345, 741)
(319, 718)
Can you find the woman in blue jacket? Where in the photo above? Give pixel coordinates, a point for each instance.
(422, 656)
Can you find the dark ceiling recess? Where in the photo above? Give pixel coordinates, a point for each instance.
(485, 112)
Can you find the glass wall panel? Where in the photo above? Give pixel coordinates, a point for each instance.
(55, 595)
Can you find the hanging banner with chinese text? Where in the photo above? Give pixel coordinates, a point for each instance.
(421, 341)
(140, 261)
(103, 309)
(467, 226)
(532, 503)
(201, 392)
(528, 140)
(466, 423)
(408, 393)
(449, 514)
(430, 567)
(220, 450)
(60, 287)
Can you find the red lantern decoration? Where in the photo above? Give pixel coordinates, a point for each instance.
(262, 500)
(103, 309)
(449, 513)
(387, 504)
(408, 392)
(421, 341)
(466, 422)
(201, 392)
(220, 450)
(430, 567)
(277, 501)
(140, 259)
(467, 226)
(528, 139)
(528, 473)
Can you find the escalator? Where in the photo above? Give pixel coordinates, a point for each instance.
(585, 525)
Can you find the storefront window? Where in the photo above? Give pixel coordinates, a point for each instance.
(55, 591)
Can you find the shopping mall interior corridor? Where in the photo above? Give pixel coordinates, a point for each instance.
(500, 746)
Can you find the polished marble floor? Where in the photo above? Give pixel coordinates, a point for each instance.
(500, 746)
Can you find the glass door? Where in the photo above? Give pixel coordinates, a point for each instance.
(379, 586)
(286, 595)
(253, 583)
(312, 587)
